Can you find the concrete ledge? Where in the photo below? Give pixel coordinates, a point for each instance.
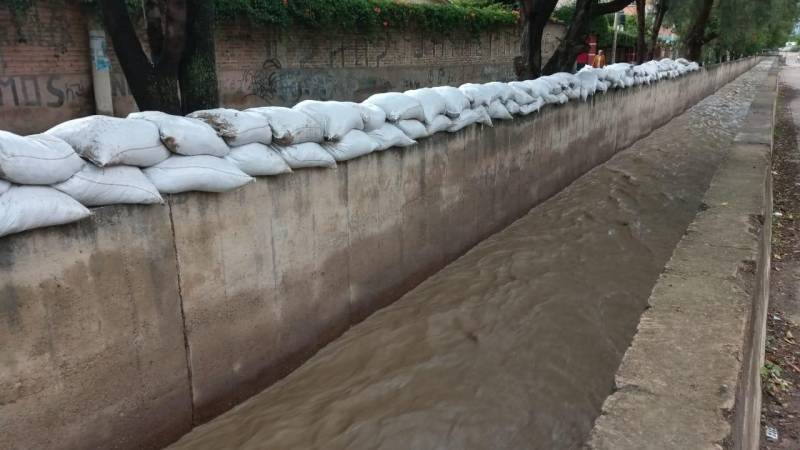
(690, 379)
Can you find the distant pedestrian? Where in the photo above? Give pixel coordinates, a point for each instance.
(599, 60)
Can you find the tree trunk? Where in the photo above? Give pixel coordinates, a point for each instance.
(536, 14)
(661, 11)
(696, 35)
(575, 40)
(153, 81)
(198, 73)
(641, 46)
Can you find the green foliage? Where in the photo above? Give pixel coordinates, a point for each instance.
(738, 27)
(602, 27)
(370, 15)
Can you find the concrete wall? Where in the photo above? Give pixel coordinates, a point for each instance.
(154, 318)
(691, 378)
(45, 67)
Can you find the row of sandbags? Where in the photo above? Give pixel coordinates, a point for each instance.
(51, 178)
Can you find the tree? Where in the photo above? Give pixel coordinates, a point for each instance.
(641, 46)
(696, 35)
(181, 43)
(574, 41)
(662, 6)
(535, 15)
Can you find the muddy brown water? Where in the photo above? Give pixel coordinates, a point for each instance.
(515, 344)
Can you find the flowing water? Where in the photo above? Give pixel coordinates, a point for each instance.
(515, 344)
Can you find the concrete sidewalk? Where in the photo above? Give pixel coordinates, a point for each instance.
(690, 379)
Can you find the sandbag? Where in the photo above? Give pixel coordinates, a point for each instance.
(478, 94)
(520, 96)
(236, 127)
(439, 123)
(512, 107)
(414, 129)
(290, 126)
(4, 186)
(184, 135)
(354, 144)
(110, 141)
(196, 173)
(502, 91)
(498, 111)
(307, 154)
(531, 107)
(337, 118)
(455, 101)
(37, 159)
(390, 136)
(397, 106)
(542, 89)
(483, 116)
(257, 160)
(374, 117)
(432, 103)
(27, 207)
(98, 186)
(467, 117)
(588, 81)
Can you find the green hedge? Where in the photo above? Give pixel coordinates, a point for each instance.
(370, 15)
(347, 15)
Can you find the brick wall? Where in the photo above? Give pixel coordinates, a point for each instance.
(45, 69)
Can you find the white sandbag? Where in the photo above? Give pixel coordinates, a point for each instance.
(542, 89)
(196, 173)
(413, 128)
(439, 123)
(537, 104)
(307, 154)
(4, 186)
(354, 144)
(390, 136)
(432, 103)
(27, 207)
(98, 186)
(483, 116)
(236, 127)
(184, 135)
(337, 118)
(109, 141)
(502, 91)
(454, 100)
(37, 159)
(588, 82)
(498, 111)
(512, 107)
(467, 118)
(374, 117)
(520, 96)
(521, 85)
(397, 106)
(257, 160)
(478, 94)
(290, 126)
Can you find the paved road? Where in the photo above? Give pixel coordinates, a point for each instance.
(516, 343)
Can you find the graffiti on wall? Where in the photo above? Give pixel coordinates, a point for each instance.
(52, 91)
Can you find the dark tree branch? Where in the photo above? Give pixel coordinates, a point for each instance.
(641, 45)
(174, 36)
(154, 19)
(601, 9)
(661, 11)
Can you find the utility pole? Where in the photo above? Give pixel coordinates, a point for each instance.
(614, 46)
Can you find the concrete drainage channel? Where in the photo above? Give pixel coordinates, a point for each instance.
(136, 325)
(516, 343)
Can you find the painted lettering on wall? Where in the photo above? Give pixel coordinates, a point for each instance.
(51, 91)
